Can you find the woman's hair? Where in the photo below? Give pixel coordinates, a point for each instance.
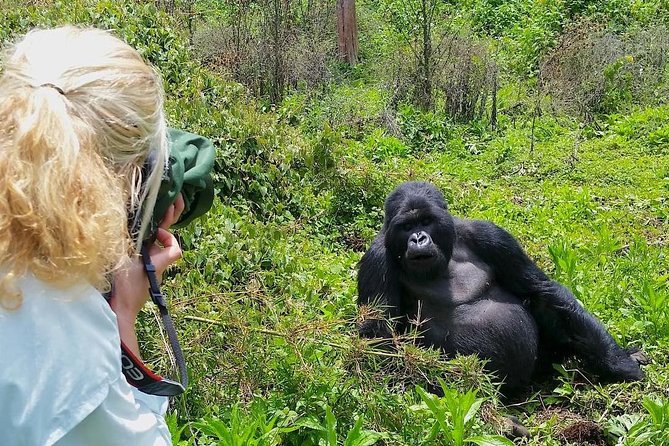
(80, 112)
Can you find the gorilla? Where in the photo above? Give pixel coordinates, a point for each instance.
(471, 289)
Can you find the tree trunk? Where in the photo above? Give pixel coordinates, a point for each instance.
(493, 110)
(277, 82)
(347, 31)
(190, 20)
(426, 50)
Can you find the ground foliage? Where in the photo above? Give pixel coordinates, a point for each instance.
(264, 298)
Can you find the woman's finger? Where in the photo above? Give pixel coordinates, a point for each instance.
(173, 213)
(170, 252)
(179, 206)
(168, 218)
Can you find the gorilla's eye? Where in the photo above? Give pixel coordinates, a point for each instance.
(425, 221)
(407, 226)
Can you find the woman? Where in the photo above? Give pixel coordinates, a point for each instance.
(80, 112)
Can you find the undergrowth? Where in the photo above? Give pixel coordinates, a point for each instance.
(264, 298)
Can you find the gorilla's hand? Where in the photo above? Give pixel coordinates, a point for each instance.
(375, 328)
(638, 355)
(624, 365)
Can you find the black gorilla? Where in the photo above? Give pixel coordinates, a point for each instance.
(476, 291)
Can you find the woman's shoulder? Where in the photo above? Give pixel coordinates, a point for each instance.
(73, 319)
(60, 355)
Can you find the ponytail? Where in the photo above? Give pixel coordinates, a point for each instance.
(71, 148)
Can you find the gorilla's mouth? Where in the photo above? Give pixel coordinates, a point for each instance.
(419, 255)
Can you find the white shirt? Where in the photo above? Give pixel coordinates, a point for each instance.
(60, 374)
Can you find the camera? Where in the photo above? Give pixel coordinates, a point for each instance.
(187, 172)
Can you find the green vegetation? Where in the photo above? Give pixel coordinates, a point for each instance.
(549, 118)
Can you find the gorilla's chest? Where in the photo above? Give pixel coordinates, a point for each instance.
(465, 310)
(465, 281)
(468, 280)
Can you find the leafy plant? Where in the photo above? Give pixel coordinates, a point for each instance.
(454, 414)
(254, 429)
(652, 429)
(326, 433)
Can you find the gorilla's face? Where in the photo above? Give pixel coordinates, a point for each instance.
(419, 234)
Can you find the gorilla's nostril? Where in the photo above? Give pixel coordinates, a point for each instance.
(423, 239)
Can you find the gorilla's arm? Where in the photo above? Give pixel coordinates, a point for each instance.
(378, 285)
(562, 321)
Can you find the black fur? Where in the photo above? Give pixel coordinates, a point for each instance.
(476, 291)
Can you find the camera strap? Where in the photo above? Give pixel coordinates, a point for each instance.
(134, 370)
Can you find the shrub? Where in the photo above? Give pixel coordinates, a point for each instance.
(573, 73)
(593, 71)
(462, 77)
(271, 47)
(467, 78)
(496, 17)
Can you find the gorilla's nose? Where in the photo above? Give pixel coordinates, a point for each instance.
(420, 239)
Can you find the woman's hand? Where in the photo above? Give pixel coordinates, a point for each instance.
(131, 286)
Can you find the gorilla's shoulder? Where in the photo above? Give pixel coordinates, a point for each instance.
(376, 253)
(485, 237)
(470, 229)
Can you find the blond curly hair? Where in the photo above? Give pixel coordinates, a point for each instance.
(80, 112)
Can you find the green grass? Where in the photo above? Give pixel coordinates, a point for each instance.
(279, 296)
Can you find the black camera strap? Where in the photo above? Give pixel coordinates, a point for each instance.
(134, 370)
(159, 299)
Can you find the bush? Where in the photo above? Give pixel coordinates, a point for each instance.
(467, 78)
(573, 73)
(593, 71)
(496, 17)
(271, 47)
(424, 131)
(463, 75)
